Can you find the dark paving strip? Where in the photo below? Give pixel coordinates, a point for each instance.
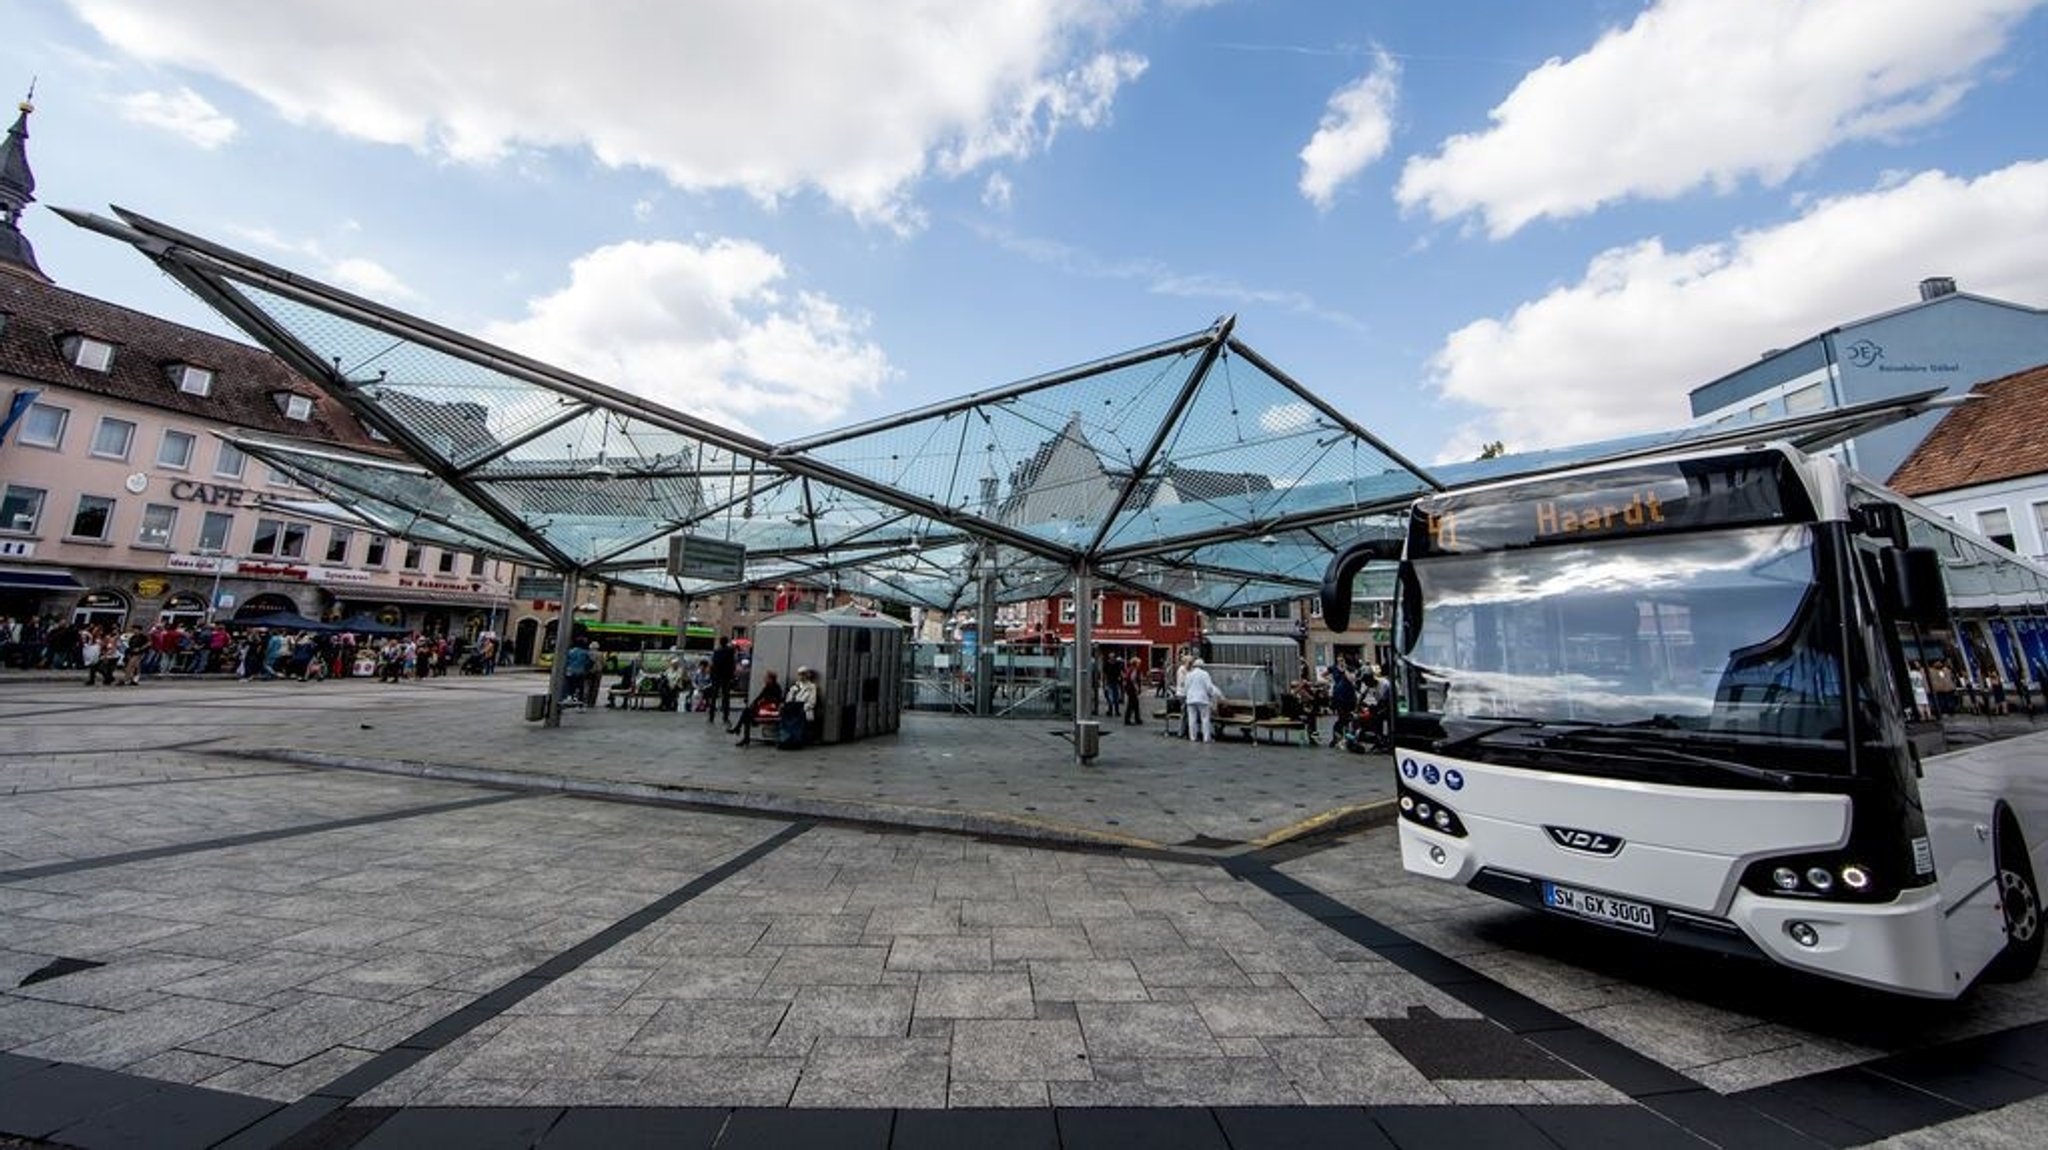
(172, 851)
(149, 782)
(337, 1094)
(1703, 1112)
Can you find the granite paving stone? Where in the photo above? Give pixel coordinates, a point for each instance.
(25, 1020)
(707, 1028)
(1256, 1013)
(1090, 980)
(1005, 994)
(1361, 1070)
(843, 1011)
(1213, 1081)
(257, 974)
(131, 1036)
(297, 1032)
(1013, 942)
(1201, 966)
(938, 952)
(829, 965)
(1140, 1030)
(901, 1072)
(1004, 1050)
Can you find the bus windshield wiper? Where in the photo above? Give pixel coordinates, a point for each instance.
(1633, 739)
(1476, 737)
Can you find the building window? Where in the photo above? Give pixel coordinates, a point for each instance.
(1996, 525)
(1131, 612)
(297, 408)
(43, 426)
(89, 353)
(373, 554)
(158, 521)
(1166, 614)
(2041, 528)
(191, 380)
(476, 564)
(94, 515)
(20, 508)
(1805, 399)
(338, 540)
(113, 439)
(412, 556)
(175, 450)
(1759, 411)
(281, 478)
(447, 563)
(1095, 612)
(278, 537)
(1066, 610)
(214, 530)
(230, 463)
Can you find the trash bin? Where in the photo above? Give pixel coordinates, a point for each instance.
(537, 707)
(1087, 739)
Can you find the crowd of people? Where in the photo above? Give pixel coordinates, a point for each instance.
(120, 656)
(710, 687)
(1359, 701)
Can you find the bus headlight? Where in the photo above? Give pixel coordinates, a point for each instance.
(1428, 812)
(1821, 876)
(1803, 933)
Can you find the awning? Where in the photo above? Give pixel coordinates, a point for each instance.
(422, 596)
(38, 579)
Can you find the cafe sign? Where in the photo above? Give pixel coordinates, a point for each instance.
(152, 586)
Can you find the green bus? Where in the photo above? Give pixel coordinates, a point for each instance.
(616, 640)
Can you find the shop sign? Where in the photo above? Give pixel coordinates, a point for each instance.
(440, 585)
(152, 586)
(202, 564)
(339, 575)
(215, 494)
(257, 569)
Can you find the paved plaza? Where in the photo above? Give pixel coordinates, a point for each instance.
(258, 914)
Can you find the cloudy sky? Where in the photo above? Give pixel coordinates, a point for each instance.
(1460, 221)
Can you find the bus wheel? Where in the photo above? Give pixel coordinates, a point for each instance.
(2020, 899)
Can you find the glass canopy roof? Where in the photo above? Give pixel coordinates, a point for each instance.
(1192, 469)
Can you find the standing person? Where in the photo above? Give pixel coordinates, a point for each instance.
(725, 663)
(1306, 701)
(577, 666)
(134, 648)
(89, 648)
(1198, 697)
(1113, 683)
(1132, 692)
(1343, 701)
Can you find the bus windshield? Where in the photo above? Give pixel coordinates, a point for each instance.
(1721, 633)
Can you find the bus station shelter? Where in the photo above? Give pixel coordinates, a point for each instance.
(1192, 469)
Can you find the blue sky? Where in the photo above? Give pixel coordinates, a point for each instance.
(1459, 221)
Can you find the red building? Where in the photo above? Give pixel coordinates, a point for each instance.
(1125, 623)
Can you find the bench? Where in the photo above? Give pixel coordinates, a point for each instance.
(636, 697)
(1277, 731)
(761, 724)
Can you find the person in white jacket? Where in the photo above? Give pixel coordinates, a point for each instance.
(1200, 697)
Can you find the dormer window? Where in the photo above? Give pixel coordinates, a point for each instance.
(296, 407)
(191, 380)
(89, 353)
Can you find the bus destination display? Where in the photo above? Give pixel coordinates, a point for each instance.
(1634, 501)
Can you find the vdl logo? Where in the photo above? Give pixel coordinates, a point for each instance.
(1590, 842)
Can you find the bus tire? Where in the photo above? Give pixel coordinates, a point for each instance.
(2019, 900)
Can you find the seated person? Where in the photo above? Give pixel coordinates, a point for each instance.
(629, 677)
(700, 686)
(770, 695)
(797, 725)
(670, 683)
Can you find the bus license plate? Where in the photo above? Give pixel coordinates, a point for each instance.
(1600, 907)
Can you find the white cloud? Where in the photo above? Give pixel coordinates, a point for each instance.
(996, 193)
(1709, 93)
(370, 278)
(1356, 129)
(769, 97)
(183, 113)
(1617, 351)
(1287, 418)
(711, 330)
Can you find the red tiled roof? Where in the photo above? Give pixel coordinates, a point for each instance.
(1997, 435)
(35, 317)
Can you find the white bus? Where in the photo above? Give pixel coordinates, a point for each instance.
(1745, 700)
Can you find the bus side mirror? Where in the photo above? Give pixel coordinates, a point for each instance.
(1918, 594)
(1343, 569)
